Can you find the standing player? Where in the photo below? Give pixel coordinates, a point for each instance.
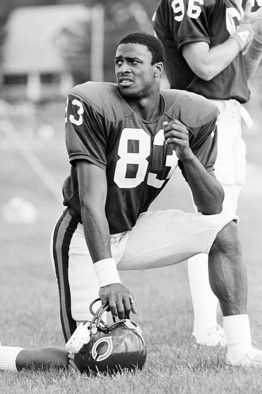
(207, 52)
(124, 141)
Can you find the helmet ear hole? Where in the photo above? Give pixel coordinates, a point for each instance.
(111, 348)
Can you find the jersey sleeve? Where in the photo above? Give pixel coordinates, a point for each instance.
(190, 22)
(85, 133)
(204, 146)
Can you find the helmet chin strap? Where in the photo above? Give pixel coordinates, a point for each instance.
(97, 319)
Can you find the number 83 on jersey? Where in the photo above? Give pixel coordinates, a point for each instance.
(139, 159)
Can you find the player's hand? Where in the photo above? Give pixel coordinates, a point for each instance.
(253, 19)
(119, 300)
(176, 134)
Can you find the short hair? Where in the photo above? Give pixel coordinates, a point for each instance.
(153, 44)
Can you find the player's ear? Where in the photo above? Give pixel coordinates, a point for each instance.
(158, 69)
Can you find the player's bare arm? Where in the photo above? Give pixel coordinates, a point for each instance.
(207, 192)
(92, 186)
(253, 55)
(253, 19)
(207, 62)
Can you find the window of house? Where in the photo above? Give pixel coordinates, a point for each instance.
(50, 78)
(15, 79)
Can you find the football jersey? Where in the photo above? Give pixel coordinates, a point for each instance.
(104, 130)
(180, 22)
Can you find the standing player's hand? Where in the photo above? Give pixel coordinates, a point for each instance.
(254, 19)
(176, 134)
(119, 300)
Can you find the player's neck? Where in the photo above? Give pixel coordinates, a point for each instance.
(148, 108)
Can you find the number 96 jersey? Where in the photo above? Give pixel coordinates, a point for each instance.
(178, 23)
(104, 130)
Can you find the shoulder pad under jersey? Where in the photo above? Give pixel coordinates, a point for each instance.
(191, 108)
(104, 98)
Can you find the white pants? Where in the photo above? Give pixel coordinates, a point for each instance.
(158, 239)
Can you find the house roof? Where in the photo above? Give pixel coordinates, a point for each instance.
(31, 35)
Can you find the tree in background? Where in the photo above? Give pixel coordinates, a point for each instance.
(148, 6)
(123, 17)
(73, 44)
(5, 10)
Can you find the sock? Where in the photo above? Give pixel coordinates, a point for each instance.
(8, 355)
(237, 329)
(204, 300)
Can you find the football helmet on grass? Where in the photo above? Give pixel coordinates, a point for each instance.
(99, 347)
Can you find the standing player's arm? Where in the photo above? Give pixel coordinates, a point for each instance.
(207, 192)
(253, 55)
(92, 187)
(206, 62)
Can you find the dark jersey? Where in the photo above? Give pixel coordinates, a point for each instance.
(103, 129)
(180, 22)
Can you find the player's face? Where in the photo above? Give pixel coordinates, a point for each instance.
(134, 70)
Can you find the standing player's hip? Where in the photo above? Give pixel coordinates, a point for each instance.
(231, 148)
(234, 112)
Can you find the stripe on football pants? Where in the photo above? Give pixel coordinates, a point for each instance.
(62, 236)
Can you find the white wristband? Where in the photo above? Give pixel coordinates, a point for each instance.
(106, 272)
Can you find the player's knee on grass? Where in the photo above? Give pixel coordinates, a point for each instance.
(46, 358)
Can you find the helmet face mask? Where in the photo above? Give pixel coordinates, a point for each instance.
(111, 349)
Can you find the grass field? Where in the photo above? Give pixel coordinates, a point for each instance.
(28, 293)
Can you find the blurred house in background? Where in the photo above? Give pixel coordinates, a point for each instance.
(34, 66)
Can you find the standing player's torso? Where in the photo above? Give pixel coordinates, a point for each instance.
(179, 22)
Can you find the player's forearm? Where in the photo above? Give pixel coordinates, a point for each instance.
(207, 192)
(253, 57)
(92, 186)
(97, 236)
(207, 62)
(96, 231)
